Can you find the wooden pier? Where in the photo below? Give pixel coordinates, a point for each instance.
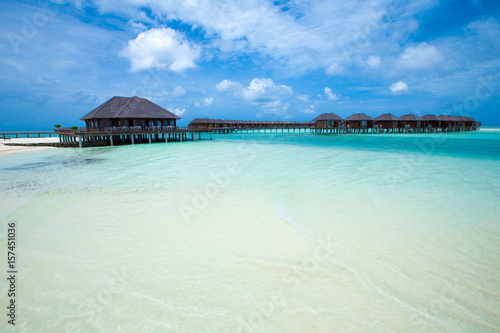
(343, 130)
(38, 134)
(128, 135)
(330, 123)
(264, 129)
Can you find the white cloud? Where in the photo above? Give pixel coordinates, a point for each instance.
(374, 61)
(330, 95)
(265, 91)
(227, 85)
(276, 108)
(301, 35)
(309, 110)
(398, 88)
(487, 29)
(178, 91)
(421, 56)
(262, 92)
(206, 101)
(177, 111)
(161, 48)
(303, 97)
(335, 69)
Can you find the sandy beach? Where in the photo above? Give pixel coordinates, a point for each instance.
(5, 149)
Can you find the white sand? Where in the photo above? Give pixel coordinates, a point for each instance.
(21, 149)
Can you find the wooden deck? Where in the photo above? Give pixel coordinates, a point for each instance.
(38, 134)
(341, 130)
(263, 129)
(129, 135)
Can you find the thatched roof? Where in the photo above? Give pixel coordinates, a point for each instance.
(386, 117)
(129, 107)
(468, 119)
(359, 117)
(445, 118)
(429, 117)
(457, 118)
(327, 116)
(200, 121)
(410, 117)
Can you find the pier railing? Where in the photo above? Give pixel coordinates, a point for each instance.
(27, 134)
(119, 130)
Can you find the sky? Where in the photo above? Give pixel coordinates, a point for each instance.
(249, 60)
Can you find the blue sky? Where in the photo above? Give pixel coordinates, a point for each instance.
(253, 59)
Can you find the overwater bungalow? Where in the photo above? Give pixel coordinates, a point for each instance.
(127, 120)
(470, 124)
(458, 123)
(126, 112)
(359, 123)
(327, 120)
(430, 122)
(386, 123)
(447, 123)
(410, 122)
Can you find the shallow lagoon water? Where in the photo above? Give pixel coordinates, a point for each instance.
(259, 233)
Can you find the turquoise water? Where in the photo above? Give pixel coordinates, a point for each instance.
(259, 233)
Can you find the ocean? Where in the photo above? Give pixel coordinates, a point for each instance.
(257, 233)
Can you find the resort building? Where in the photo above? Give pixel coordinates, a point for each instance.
(430, 121)
(386, 121)
(127, 112)
(410, 121)
(327, 120)
(446, 122)
(330, 123)
(359, 120)
(128, 120)
(470, 123)
(458, 121)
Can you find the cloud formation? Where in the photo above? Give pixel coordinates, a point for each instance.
(265, 91)
(177, 111)
(355, 46)
(421, 56)
(227, 86)
(161, 48)
(305, 35)
(398, 88)
(374, 61)
(309, 110)
(330, 95)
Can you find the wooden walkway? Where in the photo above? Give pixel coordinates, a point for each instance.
(8, 135)
(287, 129)
(128, 135)
(131, 135)
(341, 130)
